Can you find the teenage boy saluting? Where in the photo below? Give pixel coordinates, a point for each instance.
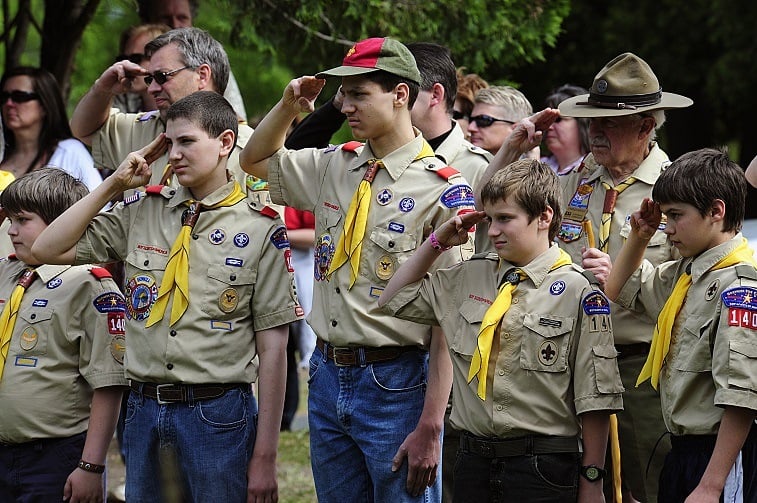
(208, 287)
(370, 404)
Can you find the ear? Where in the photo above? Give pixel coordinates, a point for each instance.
(227, 142)
(401, 95)
(717, 210)
(647, 126)
(545, 218)
(437, 94)
(205, 75)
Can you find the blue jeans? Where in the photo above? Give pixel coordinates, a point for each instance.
(197, 451)
(358, 418)
(36, 471)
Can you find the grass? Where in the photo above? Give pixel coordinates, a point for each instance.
(295, 474)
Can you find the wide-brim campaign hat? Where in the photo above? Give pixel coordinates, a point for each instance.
(625, 86)
(373, 54)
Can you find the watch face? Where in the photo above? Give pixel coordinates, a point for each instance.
(592, 473)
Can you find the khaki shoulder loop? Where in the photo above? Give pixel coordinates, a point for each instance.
(746, 271)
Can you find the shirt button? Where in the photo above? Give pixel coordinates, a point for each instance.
(515, 301)
(195, 236)
(233, 277)
(337, 290)
(501, 372)
(33, 316)
(391, 244)
(506, 334)
(147, 262)
(333, 323)
(499, 407)
(172, 333)
(169, 366)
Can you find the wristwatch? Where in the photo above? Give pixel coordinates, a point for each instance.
(592, 473)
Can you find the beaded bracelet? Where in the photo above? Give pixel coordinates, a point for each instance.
(436, 245)
(90, 467)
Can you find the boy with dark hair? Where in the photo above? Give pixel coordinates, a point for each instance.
(376, 395)
(200, 307)
(702, 355)
(61, 355)
(535, 372)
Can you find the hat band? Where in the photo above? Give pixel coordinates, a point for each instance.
(623, 102)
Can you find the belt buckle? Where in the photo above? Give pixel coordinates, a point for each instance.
(157, 394)
(343, 351)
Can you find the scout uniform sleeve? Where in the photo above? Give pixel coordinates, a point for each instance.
(106, 236)
(102, 346)
(274, 301)
(425, 301)
(649, 287)
(122, 134)
(296, 176)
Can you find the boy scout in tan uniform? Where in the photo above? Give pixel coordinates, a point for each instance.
(359, 348)
(240, 298)
(702, 355)
(62, 355)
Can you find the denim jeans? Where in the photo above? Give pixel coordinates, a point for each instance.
(197, 451)
(542, 478)
(36, 471)
(358, 417)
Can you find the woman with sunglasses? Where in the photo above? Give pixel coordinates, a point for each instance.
(35, 127)
(567, 139)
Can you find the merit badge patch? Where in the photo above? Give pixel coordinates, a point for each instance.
(279, 238)
(742, 306)
(54, 283)
(548, 353)
(569, 232)
(557, 287)
(217, 236)
(110, 302)
(406, 204)
(29, 339)
(384, 197)
(140, 292)
(385, 267)
(241, 240)
(579, 203)
(712, 290)
(596, 303)
(456, 196)
(396, 227)
(118, 348)
(322, 253)
(228, 300)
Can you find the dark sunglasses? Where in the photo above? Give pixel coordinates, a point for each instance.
(18, 96)
(457, 115)
(486, 120)
(135, 58)
(162, 77)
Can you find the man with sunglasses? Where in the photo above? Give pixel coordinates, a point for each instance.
(495, 110)
(181, 62)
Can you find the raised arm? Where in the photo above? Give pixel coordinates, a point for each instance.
(317, 128)
(269, 136)
(525, 136)
(644, 223)
(57, 243)
(751, 172)
(92, 110)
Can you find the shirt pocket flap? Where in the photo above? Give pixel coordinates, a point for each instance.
(605, 351)
(393, 242)
(36, 315)
(548, 326)
(473, 311)
(147, 261)
(232, 275)
(463, 342)
(746, 348)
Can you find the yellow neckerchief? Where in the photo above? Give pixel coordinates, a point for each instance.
(10, 314)
(351, 242)
(662, 331)
(611, 196)
(176, 277)
(480, 363)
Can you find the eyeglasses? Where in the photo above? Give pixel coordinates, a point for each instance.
(135, 58)
(162, 77)
(18, 96)
(457, 115)
(486, 120)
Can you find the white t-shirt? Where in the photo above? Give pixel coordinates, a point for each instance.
(73, 157)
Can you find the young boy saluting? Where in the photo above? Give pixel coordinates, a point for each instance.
(208, 287)
(531, 344)
(703, 349)
(61, 355)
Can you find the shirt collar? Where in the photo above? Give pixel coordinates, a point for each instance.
(395, 162)
(704, 262)
(647, 172)
(183, 195)
(537, 269)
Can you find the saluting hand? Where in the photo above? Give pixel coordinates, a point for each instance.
(646, 221)
(300, 94)
(527, 134)
(455, 231)
(118, 78)
(135, 170)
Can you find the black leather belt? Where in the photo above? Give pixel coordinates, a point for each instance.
(175, 393)
(359, 356)
(628, 350)
(521, 446)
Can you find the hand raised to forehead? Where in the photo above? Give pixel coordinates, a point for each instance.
(301, 93)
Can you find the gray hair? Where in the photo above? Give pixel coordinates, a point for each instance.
(515, 105)
(197, 48)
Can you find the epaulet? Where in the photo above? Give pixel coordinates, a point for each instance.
(746, 271)
(147, 116)
(352, 146)
(100, 273)
(446, 172)
(479, 151)
(269, 212)
(160, 190)
(484, 256)
(590, 277)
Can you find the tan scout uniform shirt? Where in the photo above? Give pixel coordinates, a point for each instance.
(407, 205)
(240, 282)
(712, 361)
(125, 133)
(628, 327)
(6, 246)
(67, 341)
(471, 161)
(555, 360)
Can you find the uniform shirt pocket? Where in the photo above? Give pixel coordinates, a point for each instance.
(35, 326)
(465, 339)
(385, 254)
(227, 288)
(694, 353)
(606, 374)
(742, 361)
(544, 347)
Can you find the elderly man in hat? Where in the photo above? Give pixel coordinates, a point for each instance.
(625, 107)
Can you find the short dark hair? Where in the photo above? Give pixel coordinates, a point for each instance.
(208, 110)
(562, 93)
(534, 187)
(196, 48)
(436, 66)
(699, 178)
(48, 192)
(389, 81)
